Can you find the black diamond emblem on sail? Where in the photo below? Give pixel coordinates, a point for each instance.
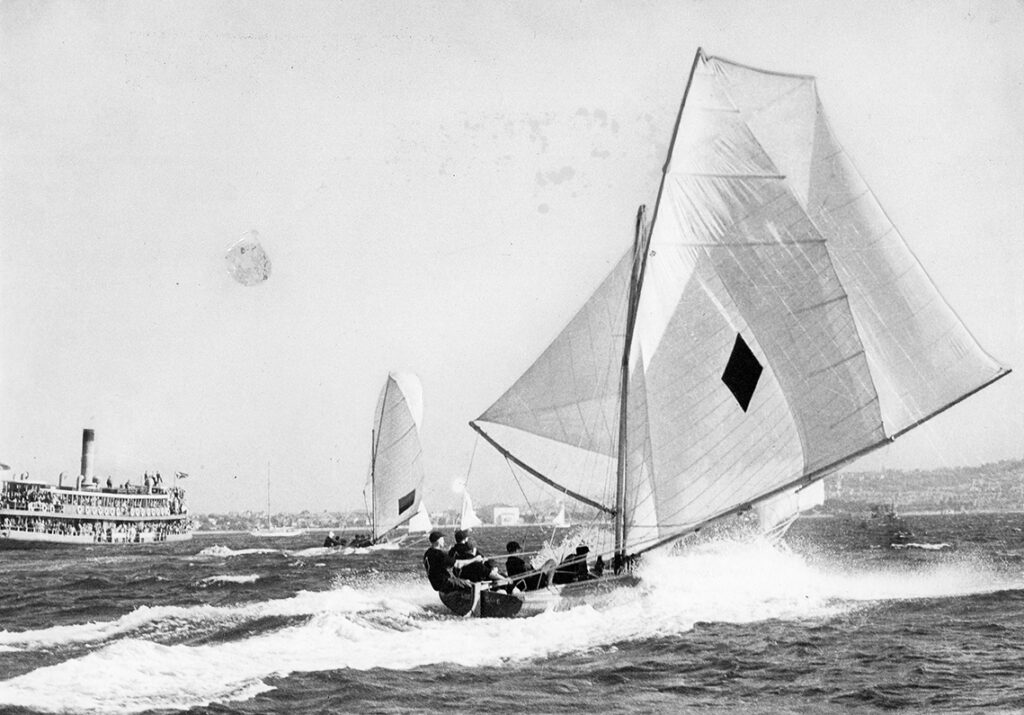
(742, 373)
(406, 501)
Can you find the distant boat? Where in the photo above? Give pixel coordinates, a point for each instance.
(394, 487)
(560, 519)
(468, 519)
(420, 521)
(776, 514)
(35, 513)
(768, 326)
(271, 531)
(885, 528)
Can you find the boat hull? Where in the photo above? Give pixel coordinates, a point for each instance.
(489, 602)
(12, 539)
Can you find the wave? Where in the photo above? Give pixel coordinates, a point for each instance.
(924, 547)
(224, 551)
(400, 625)
(248, 578)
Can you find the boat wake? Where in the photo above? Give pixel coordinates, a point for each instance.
(224, 551)
(177, 657)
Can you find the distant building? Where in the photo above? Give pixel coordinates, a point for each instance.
(505, 516)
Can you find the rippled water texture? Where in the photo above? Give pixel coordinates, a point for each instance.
(832, 621)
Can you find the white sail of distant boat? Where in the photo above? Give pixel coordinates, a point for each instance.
(394, 486)
(468, 519)
(768, 326)
(420, 521)
(560, 518)
(271, 531)
(776, 514)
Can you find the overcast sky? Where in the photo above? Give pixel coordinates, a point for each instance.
(439, 187)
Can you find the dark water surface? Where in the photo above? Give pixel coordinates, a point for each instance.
(832, 622)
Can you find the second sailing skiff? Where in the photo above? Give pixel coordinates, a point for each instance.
(768, 326)
(394, 486)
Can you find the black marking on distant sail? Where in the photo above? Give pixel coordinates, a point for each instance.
(406, 501)
(742, 373)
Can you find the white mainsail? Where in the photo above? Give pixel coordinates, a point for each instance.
(560, 518)
(395, 482)
(468, 519)
(782, 327)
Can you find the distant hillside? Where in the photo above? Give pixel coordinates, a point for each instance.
(996, 486)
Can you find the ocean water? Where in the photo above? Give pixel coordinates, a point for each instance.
(831, 621)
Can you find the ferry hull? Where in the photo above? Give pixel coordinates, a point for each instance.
(11, 539)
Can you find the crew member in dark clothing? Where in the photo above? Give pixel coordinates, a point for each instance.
(438, 563)
(470, 563)
(361, 541)
(515, 565)
(333, 540)
(573, 567)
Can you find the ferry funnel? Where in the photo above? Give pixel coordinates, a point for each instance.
(87, 453)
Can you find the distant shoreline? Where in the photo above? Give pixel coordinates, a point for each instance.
(363, 529)
(452, 527)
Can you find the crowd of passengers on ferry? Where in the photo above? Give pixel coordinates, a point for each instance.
(103, 508)
(100, 531)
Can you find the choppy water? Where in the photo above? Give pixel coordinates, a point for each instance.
(233, 624)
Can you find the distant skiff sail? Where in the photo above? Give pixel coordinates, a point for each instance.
(560, 518)
(468, 518)
(420, 521)
(395, 483)
(768, 326)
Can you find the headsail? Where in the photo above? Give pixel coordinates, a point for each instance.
(468, 518)
(395, 482)
(783, 329)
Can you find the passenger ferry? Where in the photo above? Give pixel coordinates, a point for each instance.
(36, 513)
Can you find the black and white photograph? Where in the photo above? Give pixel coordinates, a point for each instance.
(586, 356)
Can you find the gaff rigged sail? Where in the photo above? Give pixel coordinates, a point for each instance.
(783, 327)
(396, 475)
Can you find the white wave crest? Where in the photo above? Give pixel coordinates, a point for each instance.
(224, 551)
(923, 547)
(248, 578)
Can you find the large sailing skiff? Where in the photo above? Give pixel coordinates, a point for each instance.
(394, 486)
(768, 326)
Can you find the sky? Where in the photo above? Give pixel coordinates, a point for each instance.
(439, 187)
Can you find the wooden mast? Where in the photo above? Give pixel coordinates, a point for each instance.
(635, 277)
(640, 248)
(374, 437)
